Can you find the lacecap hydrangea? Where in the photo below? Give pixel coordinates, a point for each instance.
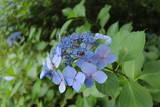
(78, 51)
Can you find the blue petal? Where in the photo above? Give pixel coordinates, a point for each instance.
(69, 81)
(69, 75)
(56, 60)
(42, 75)
(102, 50)
(49, 63)
(69, 72)
(62, 87)
(88, 68)
(110, 58)
(56, 78)
(89, 82)
(100, 76)
(80, 77)
(76, 85)
(101, 36)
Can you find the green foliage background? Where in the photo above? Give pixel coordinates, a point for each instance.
(133, 80)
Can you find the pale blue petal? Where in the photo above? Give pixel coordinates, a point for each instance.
(62, 87)
(89, 82)
(102, 50)
(80, 77)
(56, 78)
(42, 75)
(76, 86)
(88, 68)
(69, 81)
(101, 36)
(56, 60)
(110, 58)
(100, 76)
(60, 75)
(49, 63)
(69, 72)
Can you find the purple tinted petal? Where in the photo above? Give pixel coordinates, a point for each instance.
(62, 87)
(101, 36)
(49, 63)
(76, 86)
(89, 82)
(60, 75)
(102, 50)
(100, 76)
(56, 78)
(56, 60)
(110, 58)
(88, 68)
(69, 72)
(69, 81)
(80, 77)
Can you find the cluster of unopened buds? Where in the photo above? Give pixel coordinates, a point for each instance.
(81, 59)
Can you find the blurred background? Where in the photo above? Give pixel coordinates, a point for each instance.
(29, 29)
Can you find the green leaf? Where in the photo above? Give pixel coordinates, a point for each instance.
(41, 45)
(16, 87)
(110, 87)
(79, 9)
(151, 74)
(65, 26)
(36, 89)
(134, 95)
(84, 28)
(133, 68)
(92, 92)
(127, 27)
(69, 94)
(66, 11)
(103, 15)
(113, 29)
(128, 45)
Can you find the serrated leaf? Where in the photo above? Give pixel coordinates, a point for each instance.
(92, 92)
(113, 29)
(104, 15)
(110, 87)
(134, 95)
(133, 68)
(65, 26)
(151, 74)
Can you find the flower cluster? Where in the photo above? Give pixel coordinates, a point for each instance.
(78, 50)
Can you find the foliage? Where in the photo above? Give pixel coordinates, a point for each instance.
(133, 81)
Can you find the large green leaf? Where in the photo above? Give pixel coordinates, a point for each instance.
(134, 95)
(151, 73)
(113, 29)
(128, 45)
(110, 87)
(93, 92)
(103, 15)
(133, 68)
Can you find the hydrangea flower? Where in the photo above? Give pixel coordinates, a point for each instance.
(78, 49)
(58, 79)
(47, 70)
(57, 57)
(73, 78)
(102, 56)
(92, 74)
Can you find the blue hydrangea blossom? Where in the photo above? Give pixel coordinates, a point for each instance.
(78, 50)
(73, 78)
